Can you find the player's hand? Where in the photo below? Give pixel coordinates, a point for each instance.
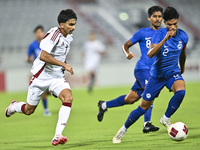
(69, 68)
(169, 34)
(130, 55)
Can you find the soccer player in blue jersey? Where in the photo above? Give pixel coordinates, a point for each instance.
(32, 54)
(142, 68)
(169, 47)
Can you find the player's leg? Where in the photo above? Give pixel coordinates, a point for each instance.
(132, 118)
(130, 98)
(45, 104)
(148, 96)
(62, 91)
(178, 87)
(92, 77)
(34, 95)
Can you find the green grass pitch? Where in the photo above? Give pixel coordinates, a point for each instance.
(20, 132)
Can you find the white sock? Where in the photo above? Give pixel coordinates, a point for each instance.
(17, 107)
(63, 116)
(165, 118)
(146, 123)
(123, 128)
(104, 106)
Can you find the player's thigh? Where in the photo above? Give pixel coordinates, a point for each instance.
(35, 91)
(60, 88)
(178, 85)
(131, 97)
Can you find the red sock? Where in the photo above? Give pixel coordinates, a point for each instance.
(23, 108)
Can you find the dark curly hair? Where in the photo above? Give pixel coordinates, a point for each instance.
(153, 9)
(66, 15)
(170, 13)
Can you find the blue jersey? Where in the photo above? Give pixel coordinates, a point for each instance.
(166, 60)
(34, 49)
(144, 37)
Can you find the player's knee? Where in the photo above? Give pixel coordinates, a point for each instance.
(180, 94)
(68, 99)
(131, 99)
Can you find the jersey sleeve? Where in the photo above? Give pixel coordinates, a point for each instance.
(157, 37)
(50, 40)
(30, 50)
(185, 38)
(136, 37)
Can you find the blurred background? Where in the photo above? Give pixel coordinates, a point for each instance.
(115, 21)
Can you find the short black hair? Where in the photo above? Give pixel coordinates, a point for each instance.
(66, 15)
(170, 13)
(153, 9)
(38, 27)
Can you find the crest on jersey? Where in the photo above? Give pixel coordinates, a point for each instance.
(63, 44)
(180, 45)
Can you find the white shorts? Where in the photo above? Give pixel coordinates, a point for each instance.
(39, 86)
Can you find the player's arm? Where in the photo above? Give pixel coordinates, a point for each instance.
(182, 60)
(125, 49)
(29, 59)
(46, 57)
(155, 48)
(29, 53)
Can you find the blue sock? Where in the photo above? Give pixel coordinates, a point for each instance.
(134, 116)
(147, 115)
(174, 103)
(44, 101)
(116, 102)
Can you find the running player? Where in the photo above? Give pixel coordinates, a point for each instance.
(169, 47)
(92, 51)
(48, 74)
(32, 54)
(142, 68)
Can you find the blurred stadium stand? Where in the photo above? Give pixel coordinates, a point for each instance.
(19, 18)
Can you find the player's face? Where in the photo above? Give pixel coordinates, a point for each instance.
(156, 19)
(39, 34)
(69, 26)
(172, 25)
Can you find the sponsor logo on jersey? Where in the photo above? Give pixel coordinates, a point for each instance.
(180, 45)
(148, 95)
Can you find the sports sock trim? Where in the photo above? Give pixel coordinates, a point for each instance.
(67, 104)
(23, 108)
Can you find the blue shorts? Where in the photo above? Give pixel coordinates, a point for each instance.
(155, 85)
(142, 76)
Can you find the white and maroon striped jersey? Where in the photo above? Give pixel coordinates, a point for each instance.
(57, 46)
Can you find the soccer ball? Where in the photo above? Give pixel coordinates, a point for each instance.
(178, 131)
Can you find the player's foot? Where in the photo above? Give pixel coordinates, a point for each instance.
(8, 112)
(59, 139)
(149, 128)
(101, 111)
(165, 122)
(47, 112)
(119, 135)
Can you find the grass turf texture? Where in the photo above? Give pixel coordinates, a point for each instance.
(85, 132)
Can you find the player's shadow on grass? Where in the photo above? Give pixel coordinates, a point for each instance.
(84, 143)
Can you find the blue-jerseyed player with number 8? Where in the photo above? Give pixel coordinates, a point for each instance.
(142, 68)
(169, 47)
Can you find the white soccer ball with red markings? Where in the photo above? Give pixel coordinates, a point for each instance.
(178, 131)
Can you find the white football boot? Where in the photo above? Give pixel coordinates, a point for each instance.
(166, 122)
(118, 137)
